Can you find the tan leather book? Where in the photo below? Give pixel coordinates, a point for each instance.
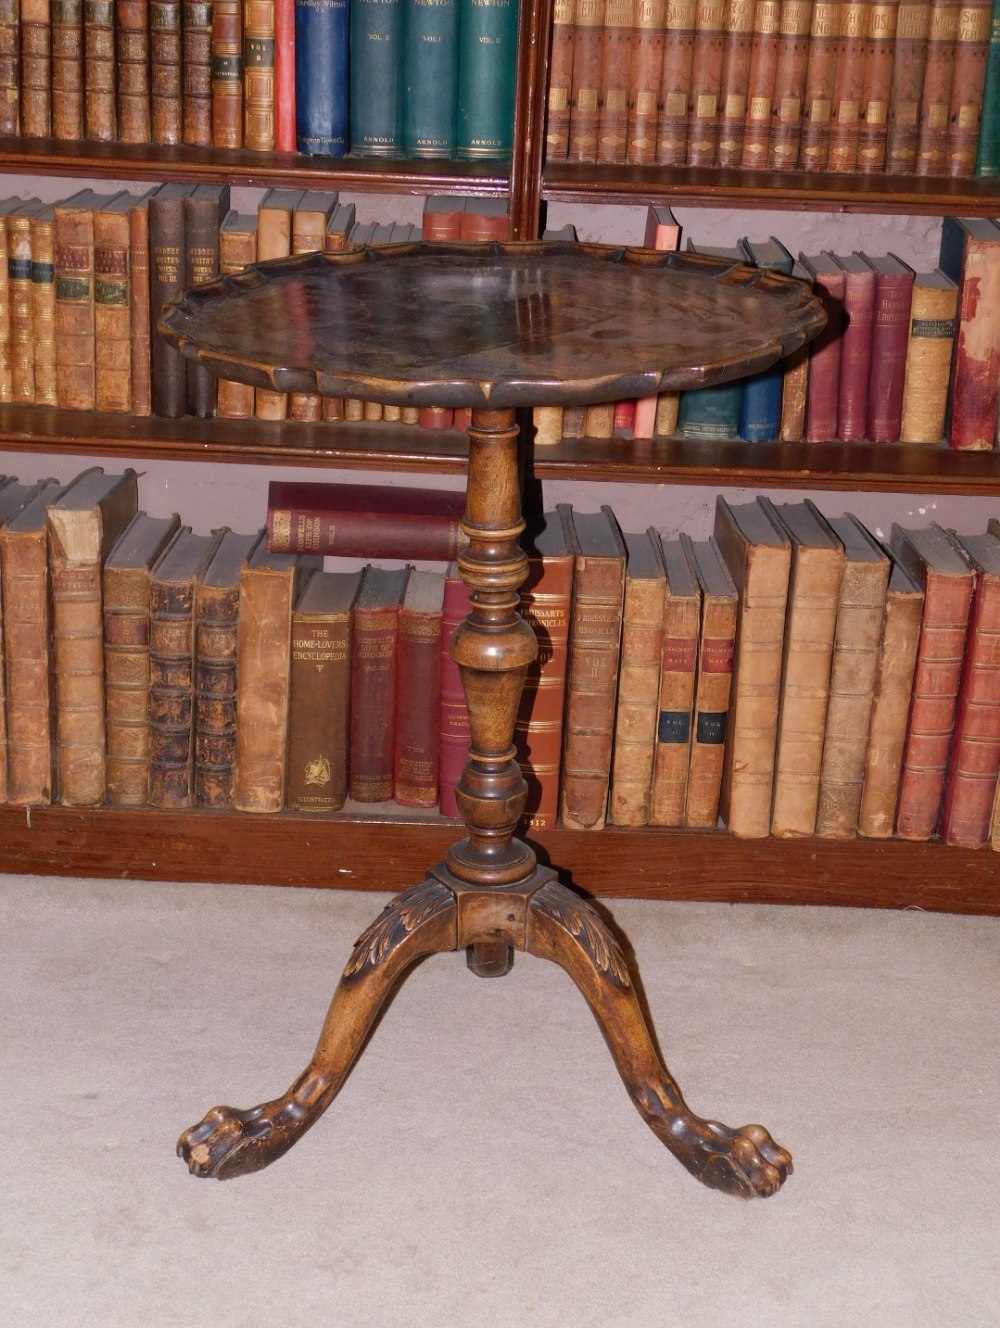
(706, 82)
(274, 240)
(24, 574)
(848, 86)
(126, 582)
(99, 109)
(760, 86)
(852, 678)
(758, 554)
(908, 62)
(547, 421)
(935, 97)
(789, 84)
(74, 314)
(85, 521)
(112, 305)
(258, 75)
(309, 222)
(216, 639)
(165, 62)
(140, 352)
(897, 657)
(43, 304)
(675, 83)
(227, 74)
(36, 68)
(972, 41)
(678, 664)
(616, 52)
(638, 680)
(592, 683)
(713, 681)
(874, 130)
(19, 294)
(67, 69)
(795, 383)
(821, 74)
(196, 79)
(10, 68)
(645, 69)
(269, 586)
(599, 420)
(585, 104)
(736, 55)
(237, 250)
(132, 52)
(560, 81)
(6, 388)
(929, 349)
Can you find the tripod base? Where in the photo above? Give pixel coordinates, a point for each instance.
(544, 918)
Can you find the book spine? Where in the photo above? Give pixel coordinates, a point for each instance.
(736, 56)
(908, 62)
(166, 279)
(988, 154)
(821, 76)
(874, 129)
(710, 719)
(165, 62)
(760, 88)
(612, 129)
(672, 751)
(6, 388)
(196, 83)
(227, 73)
(706, 82)
(711, 412)
(976, 367)
(546, 597)
(139, 306)
(376, 35)
(794, 389)
(487, 58)
(430, 78)
(824, 366)
(201, 264)
(284, 75)
(171, 694)
(789, 84)
(112, 312)
(43, 308)
(258, 75)
(22, 341)
(27, 621)
(416, 755)
(322, 45)
(849, 85)
(126, 665)
(455, 734)
(935, 99)
(584, 114)
(237, 249)
(78, 667)
(74, 317)
(374, 653)
(638, 703)
(215, 660)
(675, 83)
(132, 60)
(352, 534)
(972, 41)
(36, 68)
(308, 234)
(889, 338)
(560, 80)
(262, 688)
(318, 712)
(856, 355)
(930, 344)
(10, 68)
(645, 68)
(67, 69)
(100, 120)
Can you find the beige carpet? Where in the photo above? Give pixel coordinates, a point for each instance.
(483, 1165)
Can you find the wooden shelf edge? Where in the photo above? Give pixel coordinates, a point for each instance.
(389, 854)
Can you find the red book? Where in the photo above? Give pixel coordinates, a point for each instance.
(374, 653)
(890, 336)
(442, 219)
(363, 520)
(418, 692)
(436, 417)
(970, 255)
(284, 75)
(974, 760)
(856, 347)
(485, 219)
(948, 582)
(823, 391)
(455, 734)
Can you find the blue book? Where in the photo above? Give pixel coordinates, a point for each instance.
(430, 77)
(321, 56)
(376, 78)
(712, 412)
(760, 406)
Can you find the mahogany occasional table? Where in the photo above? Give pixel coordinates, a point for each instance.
(491, 327)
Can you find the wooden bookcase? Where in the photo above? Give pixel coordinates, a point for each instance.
(362, 849)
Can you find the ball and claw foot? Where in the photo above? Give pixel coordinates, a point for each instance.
(229, 1142)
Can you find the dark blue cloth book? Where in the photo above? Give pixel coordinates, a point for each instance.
(760, 406)
(321, 62)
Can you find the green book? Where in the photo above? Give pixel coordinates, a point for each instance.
(376, 28)
(712, 412)
(988, 162)
(487, 58)
(430, 77)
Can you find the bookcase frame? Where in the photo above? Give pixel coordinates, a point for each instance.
(364, 850)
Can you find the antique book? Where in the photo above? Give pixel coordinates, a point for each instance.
(168, 260)
(204, 209)
(929, 349)
(227, 73)
(322, 47)
(893, 292)
(974, 757)
(7, 206)
(125, 595)
(988, 152)
(487, 61)
(897, 657)
(364, 520)
(74, 312)
(592, 678)
(258, 75)
(935, 97)
(485, 219)
(712, 412)
(759, 418)
(67, 69)
(99, 109)
(415, 752)
(375, 84)
(284, 75)
(237, 250)
(795, 381)
(560, 81)
(140, 354)
(43, 304)
(166, 78)
(546, 601)
(274, 240)
(171, 665)
(430, 78)
(821, 74)
(706, 82)
(852, 678)
(817, 571)
(269, 586)
(758, 555)
(675, 83)
(10, 69)
(713, 680)
(112, 305)
(442, 217)
(948, 582)
(374, 657)
(36, 68)
(320, 693)
(736, 55)
(27, 621)
(216, 639)
(676, 686)
(84, 523)
(453, 716)
(848, 86)
(662, 232)
(789, 84)
(855, 346)
(909, 59)
(645, 70)
(970, 255)
(760, 85)
(638, 680)
(309, 222)
(616, 51)
(196, 78)
(874, 127)
(21, 344)
(823, 391)
(132, 68)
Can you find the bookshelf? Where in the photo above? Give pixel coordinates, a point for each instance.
(343, 850)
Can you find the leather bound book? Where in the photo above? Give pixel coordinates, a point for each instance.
(430, 78)
(972, 41)
(99, 110)
(227, 73)
(612, 128)
(376, 66)
(974, 758)
(338, 232)
(810, 624)
(216, 639)
(560, 81)
(929, 350)
(970, 255)
(825, 351)
(645, 69)
(592, 679)
(237, 250)
(821, 74)
(935, 97)
(849, 86)
(258, 75)
(675, 83)
(908, 61)
(364, 520)
(442, 217)
(893, 293)
(713, 681)
(171, 666)
(320, 693)
(455, 734)
(274, 240)
(10, 68)
(855, 346)
(675, 706)
(84, 523)
(21, 343)
(139, 308)
(758, 555)
(485, 219)
(706, 82)
(736, 55)
(789, 84)
(204, 209)
(7, 206)
(874, 128)
(166, 63)
(638, 680)
(196, 65)
(322, 47)
(284, 75)
(112, 306)
(948, 582)
(760, 85)
(126, 581)
(374, 655)
(795, 382)
(132, 59)
(36, 68)
(852, 678)
(166, 281)
(43, 304)
(27, 620)
(654, 415)
(67, 69)
(897, 657)
(415, 753)
(309, 222)
(74, 315)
